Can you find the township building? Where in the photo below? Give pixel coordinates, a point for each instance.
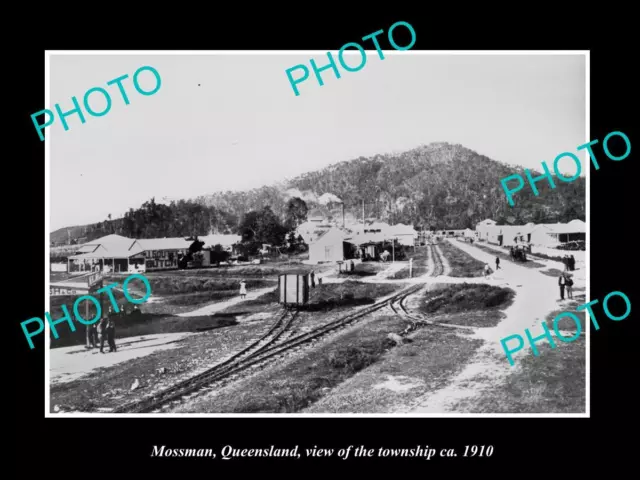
(546, 234)
(118, 254)
(162, 253)
(112, 253)
(336, 244)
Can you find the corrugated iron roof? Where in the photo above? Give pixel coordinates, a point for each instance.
(176, 243)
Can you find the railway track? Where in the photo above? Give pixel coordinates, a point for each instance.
(261, 352)
(438, 268)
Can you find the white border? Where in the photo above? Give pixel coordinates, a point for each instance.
(47, 142)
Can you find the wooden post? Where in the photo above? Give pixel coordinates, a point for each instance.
(410, 266)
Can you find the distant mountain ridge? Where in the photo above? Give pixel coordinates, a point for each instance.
(439, 185)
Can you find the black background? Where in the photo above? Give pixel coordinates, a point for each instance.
(74, 447)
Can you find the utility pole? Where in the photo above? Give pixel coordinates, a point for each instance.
(363, 212)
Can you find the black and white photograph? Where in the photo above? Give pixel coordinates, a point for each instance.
(350, 250)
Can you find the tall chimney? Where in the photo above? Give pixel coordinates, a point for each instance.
(342, 214)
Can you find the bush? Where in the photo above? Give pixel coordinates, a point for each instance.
(466, 297)
(352, 360)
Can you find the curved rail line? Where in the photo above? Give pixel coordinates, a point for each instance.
(400, 309)
(258, 353)
(273, 334)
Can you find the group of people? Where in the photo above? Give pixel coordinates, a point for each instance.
(569, 263)
(105, 329)
(565, 282)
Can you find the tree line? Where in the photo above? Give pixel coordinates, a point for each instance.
(190, 219)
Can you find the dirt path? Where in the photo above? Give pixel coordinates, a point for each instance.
(536, 296)
(219, 306)
(71, 363)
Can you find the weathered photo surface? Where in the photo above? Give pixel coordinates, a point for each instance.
(349, 250)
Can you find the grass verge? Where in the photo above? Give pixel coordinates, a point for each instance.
(434, 356)
(462, 264)
(553, 382)
(566, 323)
(465, 297)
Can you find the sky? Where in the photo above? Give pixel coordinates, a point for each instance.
(233, 122)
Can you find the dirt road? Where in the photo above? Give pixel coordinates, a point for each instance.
(536, 296)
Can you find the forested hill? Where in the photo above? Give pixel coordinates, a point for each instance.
(439, 185)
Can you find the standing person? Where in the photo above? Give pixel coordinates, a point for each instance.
(243, 289)
(569, 283)
(497, 263)
(562, 281)
(111, 334)
(102, 326)
(312, 276)
(572, 263)
(91, 343)
(487, 269)
(352, 265)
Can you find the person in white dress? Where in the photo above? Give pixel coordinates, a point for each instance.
(243, 289)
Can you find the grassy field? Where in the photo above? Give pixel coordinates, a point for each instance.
(434, 356)
(553, 382)
(462, 264)
(294, 385)
(504, 255)
(566, 323)
(465, 297)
